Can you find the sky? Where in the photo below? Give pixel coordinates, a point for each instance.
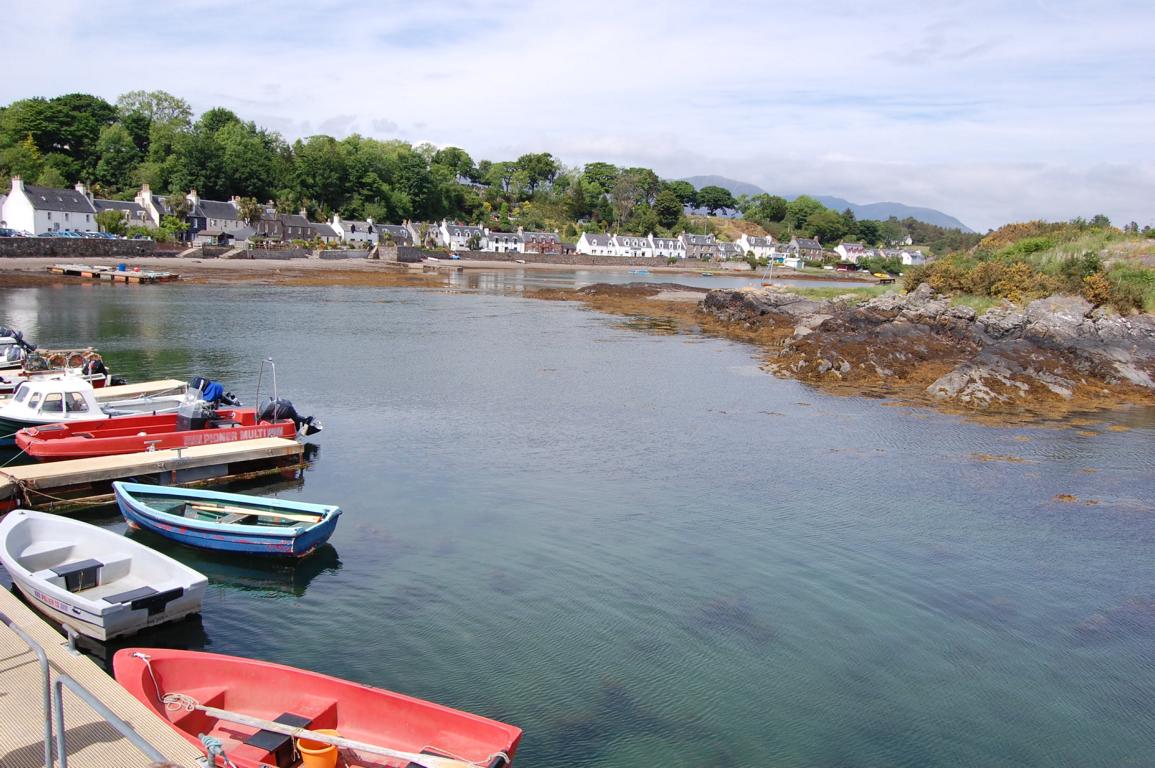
(989, 110)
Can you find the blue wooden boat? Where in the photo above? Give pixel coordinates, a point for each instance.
(227, 522)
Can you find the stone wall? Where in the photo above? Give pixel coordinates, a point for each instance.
(73, 249)
(342, 254)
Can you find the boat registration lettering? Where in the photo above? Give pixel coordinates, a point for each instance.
(59, 605)
(231, 436)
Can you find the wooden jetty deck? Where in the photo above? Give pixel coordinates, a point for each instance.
(77, 483)
(91, 742)
(111, 274)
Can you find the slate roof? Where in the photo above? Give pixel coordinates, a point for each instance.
(601, 241)
(806, 243)
(463, 230)
(689, 239)
(631, 241)
(759, 242)
(396, 230)
(505, 237)
(541, 237)
(215, 209)
(323, 230)
(296, 220)
(134, 210)
(243, 233)
(49, 199)
(666, 242)
(358, 227)
(733, 248)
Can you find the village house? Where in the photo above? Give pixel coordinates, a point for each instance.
(702, 247)
(400, 234)
(503, 242)
(667, 247)
(805, 248)
(595, 244)
(540, 242)
(632, 246)
(324, 232)
(460, 237)
(153, 205)
(43, 209)
(851, 252)
(730, 252)
(297, 226)
(133, 213)
(911, 257)
(761, 247)
(354, 232)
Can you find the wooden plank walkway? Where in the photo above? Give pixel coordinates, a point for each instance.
(97, 272)
(92, 743)
(202, 462)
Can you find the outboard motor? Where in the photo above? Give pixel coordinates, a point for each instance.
(193, 414)
(20, 349)
(275, 410)
(213, 392)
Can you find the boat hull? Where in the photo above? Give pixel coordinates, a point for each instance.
(261, 541)
(133, 434)
(267, 691)
(101, 584)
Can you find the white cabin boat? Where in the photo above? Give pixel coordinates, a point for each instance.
(71, 398)
(101, 584)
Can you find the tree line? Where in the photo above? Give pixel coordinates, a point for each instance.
(152, 137)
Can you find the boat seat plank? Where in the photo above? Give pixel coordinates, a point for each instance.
(278, 746)
(65, 569)
(130, 595)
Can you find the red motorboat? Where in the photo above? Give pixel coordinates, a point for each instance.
(196, 425)
(233, 700)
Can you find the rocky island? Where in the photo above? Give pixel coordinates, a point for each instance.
(1051, 357)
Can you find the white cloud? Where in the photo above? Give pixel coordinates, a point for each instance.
(990, 111)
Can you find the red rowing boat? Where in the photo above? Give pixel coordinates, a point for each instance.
(221, 696)
(132, 434)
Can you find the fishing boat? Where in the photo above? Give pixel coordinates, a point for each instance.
(71, 399)
(21, 361)
(101, 584)
(227, 522)
(193, 423)
(254, 708)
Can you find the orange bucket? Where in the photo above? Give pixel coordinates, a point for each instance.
(318, 754)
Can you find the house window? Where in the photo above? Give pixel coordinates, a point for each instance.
(50, 215)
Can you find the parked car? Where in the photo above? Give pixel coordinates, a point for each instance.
(5, 232)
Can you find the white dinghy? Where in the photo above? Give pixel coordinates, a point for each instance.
(101, 584)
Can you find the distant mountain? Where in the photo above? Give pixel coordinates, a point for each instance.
(883, 211)
(880, 211)
(735, 187)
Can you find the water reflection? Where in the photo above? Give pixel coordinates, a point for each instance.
(521, 280)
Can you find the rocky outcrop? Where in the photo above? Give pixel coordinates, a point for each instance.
(1056, 350)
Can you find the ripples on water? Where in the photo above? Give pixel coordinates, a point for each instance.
(645, 552)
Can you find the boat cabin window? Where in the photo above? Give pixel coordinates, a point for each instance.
(34, 400)
(21, 394)
(53, 403)
(76, 402)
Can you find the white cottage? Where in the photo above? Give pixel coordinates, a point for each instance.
(851, 252)
(594, 244)
(634, 246)
(44, 209)
(667, 247)
(461, 237)
(355, 232)
(761, 247)
(504, 242)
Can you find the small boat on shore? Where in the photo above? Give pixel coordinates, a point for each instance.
(227, 522)
(255, 708)
(101, 584)
(193, 423)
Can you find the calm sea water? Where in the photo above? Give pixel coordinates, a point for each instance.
(647, 552)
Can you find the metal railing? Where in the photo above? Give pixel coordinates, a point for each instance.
(54, 699)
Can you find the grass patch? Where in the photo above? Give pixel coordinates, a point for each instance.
(833, 292)
(979, 304)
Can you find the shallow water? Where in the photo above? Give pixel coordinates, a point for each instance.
(645, 551)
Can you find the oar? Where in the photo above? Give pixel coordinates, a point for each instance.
(304, 518)
(429, 761)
